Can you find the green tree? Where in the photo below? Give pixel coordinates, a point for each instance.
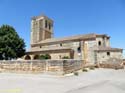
(65, 57)
(11, 45)
(46, 56)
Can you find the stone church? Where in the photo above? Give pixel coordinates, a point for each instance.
(88, 47)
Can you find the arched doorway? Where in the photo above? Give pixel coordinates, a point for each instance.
(36, 57)
(27, 57)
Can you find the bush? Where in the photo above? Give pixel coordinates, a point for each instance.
(41, 57)
(76, 73)
(46, 56)
(92, 68)
(84, 70)
(96, 66)
(65, 57)
(116, 68)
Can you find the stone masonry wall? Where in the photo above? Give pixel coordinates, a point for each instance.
(57, 67)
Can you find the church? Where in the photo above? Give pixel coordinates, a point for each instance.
(88, 47)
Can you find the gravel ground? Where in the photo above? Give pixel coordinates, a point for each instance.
(93, 81)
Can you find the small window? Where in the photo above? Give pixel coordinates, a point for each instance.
(49, 26)
(40, 46)
(46, 25)
(60, 44)
(108, 53)
(99, 43)
(79, 49)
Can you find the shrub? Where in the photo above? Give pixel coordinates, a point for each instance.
(96, 66)
(84, 70)
(41, 57)
(65, 57)
(92, 68)
(46, 56)
(76, 73)
(116, 68)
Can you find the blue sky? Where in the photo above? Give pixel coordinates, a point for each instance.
(70, 17)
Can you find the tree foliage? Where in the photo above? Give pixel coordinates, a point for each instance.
(46, 56)
(11, 45)
(65, 57)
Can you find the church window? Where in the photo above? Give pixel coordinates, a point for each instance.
(61, 44)
(49, 26)
(108, 53)
(46, 25)
(99, 43)
(79, 49)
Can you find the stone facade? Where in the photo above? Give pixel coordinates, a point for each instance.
(89, 47)
(54, 67)
(103, 56)
(41, 28)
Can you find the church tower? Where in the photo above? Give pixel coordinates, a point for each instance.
(41, 29)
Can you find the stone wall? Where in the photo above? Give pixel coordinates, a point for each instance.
(90, 55)
(105, 42)
(60, 55)
(59, 67)
(103, 56)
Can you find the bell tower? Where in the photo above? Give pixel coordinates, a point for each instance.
(41, 28)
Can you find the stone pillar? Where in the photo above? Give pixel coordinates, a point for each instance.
(83, 52)
(82, 49)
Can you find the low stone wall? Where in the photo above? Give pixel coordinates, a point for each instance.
(112, 63)
(41, 66)
(123, 61)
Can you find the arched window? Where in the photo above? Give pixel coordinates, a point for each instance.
(99, 43)
(46, 24)
(108, 53)
(27, 57)
(79, 49)
(49, 26)
(36, 57)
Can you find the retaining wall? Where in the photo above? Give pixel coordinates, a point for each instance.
(41, 66)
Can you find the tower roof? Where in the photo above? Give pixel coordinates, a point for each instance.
(40, 16)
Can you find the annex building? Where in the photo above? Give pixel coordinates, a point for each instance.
(88, 47)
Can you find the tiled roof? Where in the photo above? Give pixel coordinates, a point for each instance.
(42, 15)
(53, 49)
(67, 39)
(91, 36)
(108, 49)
